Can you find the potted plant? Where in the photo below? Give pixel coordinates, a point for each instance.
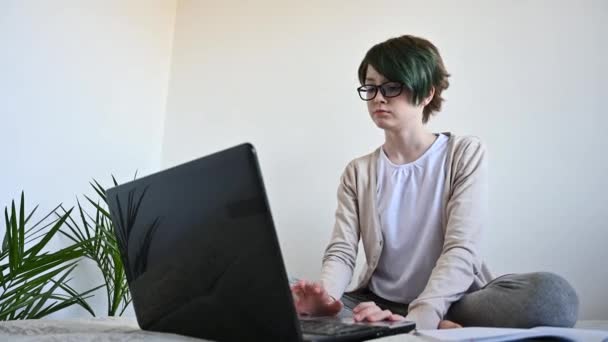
(34, 281)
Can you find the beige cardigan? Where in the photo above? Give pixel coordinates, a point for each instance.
(459, 268)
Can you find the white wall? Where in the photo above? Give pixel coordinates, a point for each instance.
(83, 89)
(528, 78)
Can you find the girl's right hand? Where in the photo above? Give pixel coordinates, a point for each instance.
(312, 299)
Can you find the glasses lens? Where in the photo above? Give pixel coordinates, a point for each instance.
(367, 92)
(391, 89)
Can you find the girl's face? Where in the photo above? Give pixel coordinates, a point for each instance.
(390, 113)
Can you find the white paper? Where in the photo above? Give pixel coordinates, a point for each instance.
(507, 334)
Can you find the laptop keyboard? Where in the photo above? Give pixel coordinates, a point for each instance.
(333, 328)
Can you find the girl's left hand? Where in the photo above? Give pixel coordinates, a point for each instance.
(370, 312)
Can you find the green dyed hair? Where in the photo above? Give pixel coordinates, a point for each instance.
(416, 63)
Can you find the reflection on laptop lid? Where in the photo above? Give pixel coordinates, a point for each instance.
(202, 256)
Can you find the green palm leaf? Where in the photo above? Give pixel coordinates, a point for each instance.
(102, 247)
(35, 281)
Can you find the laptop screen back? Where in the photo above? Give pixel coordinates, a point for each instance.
(201, 252)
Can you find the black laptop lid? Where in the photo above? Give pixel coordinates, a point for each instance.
(201, 252)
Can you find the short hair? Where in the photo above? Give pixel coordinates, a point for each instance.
(416, 63)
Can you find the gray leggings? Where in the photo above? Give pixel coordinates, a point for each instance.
(510, 301)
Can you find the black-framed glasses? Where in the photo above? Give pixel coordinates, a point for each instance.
(368, 92)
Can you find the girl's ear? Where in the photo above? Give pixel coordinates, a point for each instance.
(429, 98)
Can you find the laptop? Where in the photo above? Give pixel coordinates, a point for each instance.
(202, 258)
